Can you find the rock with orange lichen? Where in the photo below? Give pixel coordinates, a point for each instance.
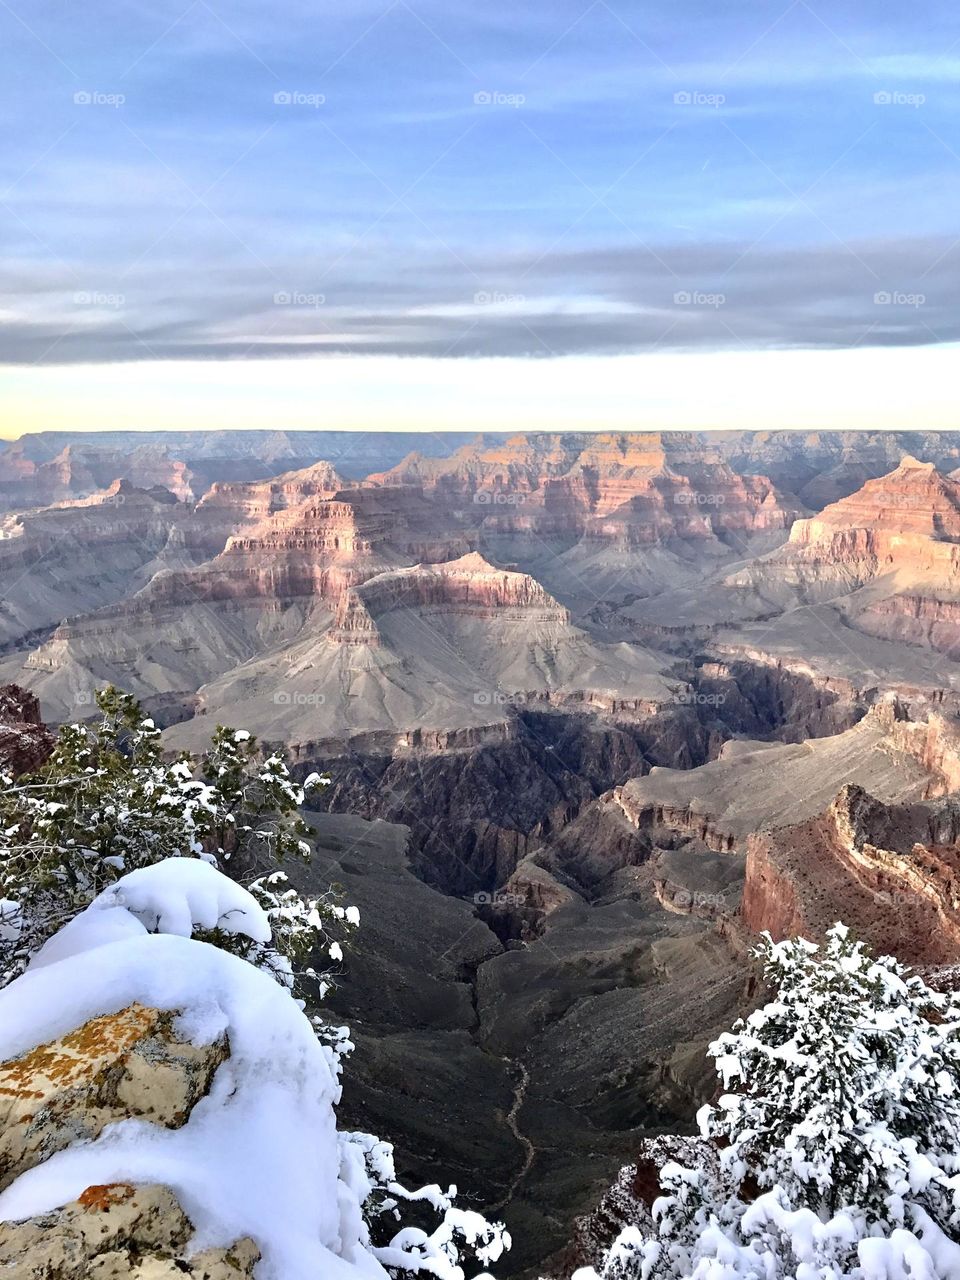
(117, 1232)
(127, 1064)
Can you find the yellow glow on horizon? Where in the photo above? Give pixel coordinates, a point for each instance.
(878, 388)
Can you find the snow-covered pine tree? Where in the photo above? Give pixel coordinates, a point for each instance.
(847, 1084)
(108, 802)
(836, 1151)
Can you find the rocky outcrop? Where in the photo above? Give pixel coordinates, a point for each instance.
(899, 536)
(131, 1063)
(257, 499)
(890, 872)
(469, 583)
(624, 490)
(914, 619)
(933, 741)
(24, 740)
(81, 469)
(912, 501)
(307, 543)
(88, 553)
(754, 785)
(475, 815)
(120, 1231)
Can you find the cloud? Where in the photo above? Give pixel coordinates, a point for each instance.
(603, 300)
(425, 210)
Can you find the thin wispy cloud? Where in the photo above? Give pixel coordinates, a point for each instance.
(201, 181)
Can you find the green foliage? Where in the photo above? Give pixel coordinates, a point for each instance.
(107, 802)
(847, 1083)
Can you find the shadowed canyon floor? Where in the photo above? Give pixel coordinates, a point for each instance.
(596, 710)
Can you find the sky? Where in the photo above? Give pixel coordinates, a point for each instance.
(400, 213)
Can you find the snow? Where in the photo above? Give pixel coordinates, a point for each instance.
(837, 1157)
(175, 896)
(772, 1241)
(260, 1155)
(179, 894)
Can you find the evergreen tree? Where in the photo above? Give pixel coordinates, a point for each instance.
(847, 1083)
(835, 1152)
(108, 802)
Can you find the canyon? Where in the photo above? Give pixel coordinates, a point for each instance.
(596, 711)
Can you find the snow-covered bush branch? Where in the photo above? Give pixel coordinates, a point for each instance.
(108, 801)
(835, 1151)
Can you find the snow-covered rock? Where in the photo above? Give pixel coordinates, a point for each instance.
(256, 1156)
(118, 1065)
(119, 1232)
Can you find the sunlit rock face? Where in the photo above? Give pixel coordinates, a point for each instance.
(123, 1066)
(119, 1231)
(888, 871)
(628, 490)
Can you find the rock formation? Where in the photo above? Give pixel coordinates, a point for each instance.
(50, 466)
(610, 685)
(24, 740)
(889, 553)
(119, 1231)
(434, 649)
(891, 872)
(130, 1064)
(598, 513)
(79, 555)
(80, 469)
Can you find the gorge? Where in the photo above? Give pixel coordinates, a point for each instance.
(596, 711)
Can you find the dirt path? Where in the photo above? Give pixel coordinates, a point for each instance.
(513, 1124)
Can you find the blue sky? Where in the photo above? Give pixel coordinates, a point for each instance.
(443, 181)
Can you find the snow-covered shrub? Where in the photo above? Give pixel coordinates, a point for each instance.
(260, 1154)
(836, 1150)
(107, 802)
(847, 1084)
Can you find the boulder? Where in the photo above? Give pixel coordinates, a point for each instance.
(127, 1064)
(113, 1232)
